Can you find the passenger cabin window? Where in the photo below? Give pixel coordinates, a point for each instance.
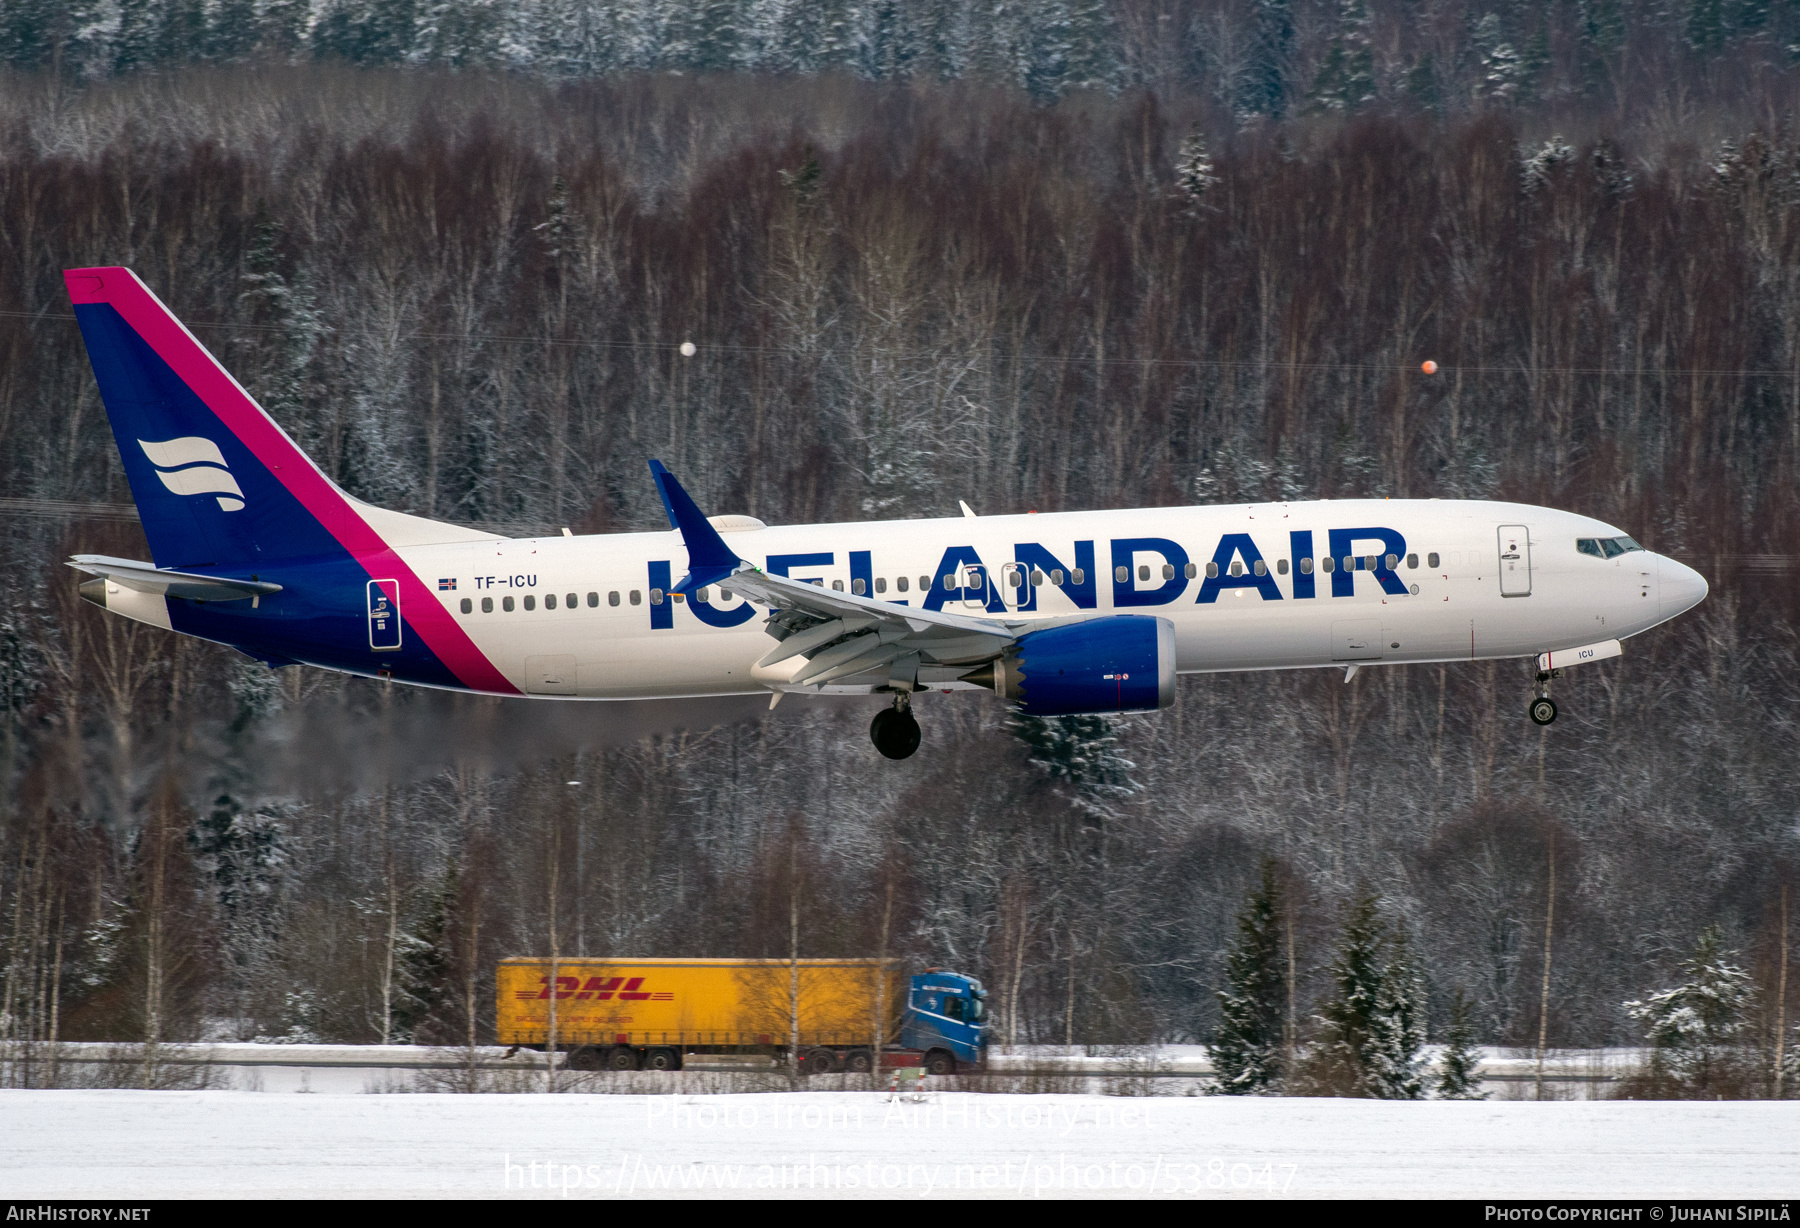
(487, 605)
(1190, 571)
(1037, 579)
(1393, 561)
(1328, 564)
(571, 602)
(703, 595)
(531, 603)
(1056, 575)
(1168, 571)
(949, 583)
(1121, 574)
(677, 598)
(468, 607)
(924, 584)
(1431, 561)
(656, 596)
(506, 604)
(637, 597)
(1212, 571)
(1237, 569)
(1143, 571)
(1281, 566)
(1079, 575)
(1412, 562)
(1306, 566)
(549, 601)
(902, 584)
(881, 584)
(1262, 568)
(612, 598)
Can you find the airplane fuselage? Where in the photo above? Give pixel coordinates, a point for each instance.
(592, 617)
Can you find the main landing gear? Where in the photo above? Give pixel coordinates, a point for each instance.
(1543, 708)
(894, 731)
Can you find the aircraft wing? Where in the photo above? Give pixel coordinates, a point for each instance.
(149, 578)
(839, 633)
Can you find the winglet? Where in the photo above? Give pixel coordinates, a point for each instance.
(709, 558)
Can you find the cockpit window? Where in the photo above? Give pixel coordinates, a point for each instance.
(1606, 547)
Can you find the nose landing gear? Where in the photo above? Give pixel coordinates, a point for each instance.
(894, 731)
(1543, 708)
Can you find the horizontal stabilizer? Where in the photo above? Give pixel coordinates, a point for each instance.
(149, 578)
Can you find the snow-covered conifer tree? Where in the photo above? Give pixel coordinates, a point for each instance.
(1697, 1029)
(1400, 1024)
(1247, 1051)
(1457, 1079)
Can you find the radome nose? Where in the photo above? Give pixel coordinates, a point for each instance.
(1679, 587)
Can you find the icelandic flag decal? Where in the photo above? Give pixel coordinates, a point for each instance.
(446, 585)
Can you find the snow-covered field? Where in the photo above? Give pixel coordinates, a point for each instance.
(134, 1144)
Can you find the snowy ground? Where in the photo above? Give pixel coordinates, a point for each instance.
(134, 1144)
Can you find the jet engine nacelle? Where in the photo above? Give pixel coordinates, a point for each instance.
(1122, 663)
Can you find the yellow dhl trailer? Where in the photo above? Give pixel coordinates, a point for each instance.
(655, 1014)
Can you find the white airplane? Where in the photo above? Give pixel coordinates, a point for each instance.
(1071, 612)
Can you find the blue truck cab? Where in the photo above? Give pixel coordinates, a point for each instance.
(946, 1019)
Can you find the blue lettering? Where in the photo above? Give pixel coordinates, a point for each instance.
(862, 569)
(1231, 546)
(713, 616)
(1032, 555)
(1343, 545)
(955, 560)
(1300, 547)
(662, 614)
(1125, 592)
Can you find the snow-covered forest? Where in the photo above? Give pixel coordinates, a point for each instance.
(1031, 256)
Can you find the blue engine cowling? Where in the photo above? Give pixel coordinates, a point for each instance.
(1121, 663)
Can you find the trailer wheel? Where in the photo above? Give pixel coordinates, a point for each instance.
(938, 1062)
(585, 1058)
(662, 1059)
(859, 1061)
(818, 1061)
(622, 1057)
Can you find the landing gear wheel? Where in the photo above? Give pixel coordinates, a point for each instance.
(1543, 710)
(894, 732)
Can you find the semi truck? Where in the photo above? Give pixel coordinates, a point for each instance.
(822, 1015)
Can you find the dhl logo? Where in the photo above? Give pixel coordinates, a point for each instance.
(597, 989)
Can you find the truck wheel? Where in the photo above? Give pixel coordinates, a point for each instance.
(585, 1058)
(622, 1057)
(818, 1061)
(662, 1059)
(859, 1061)
(937, 1062)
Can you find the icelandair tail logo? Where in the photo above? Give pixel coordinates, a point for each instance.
(193, 465)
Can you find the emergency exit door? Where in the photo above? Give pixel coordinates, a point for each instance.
(1515, 561)
(384, 615)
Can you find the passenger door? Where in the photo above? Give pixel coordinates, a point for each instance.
(1515, 561)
